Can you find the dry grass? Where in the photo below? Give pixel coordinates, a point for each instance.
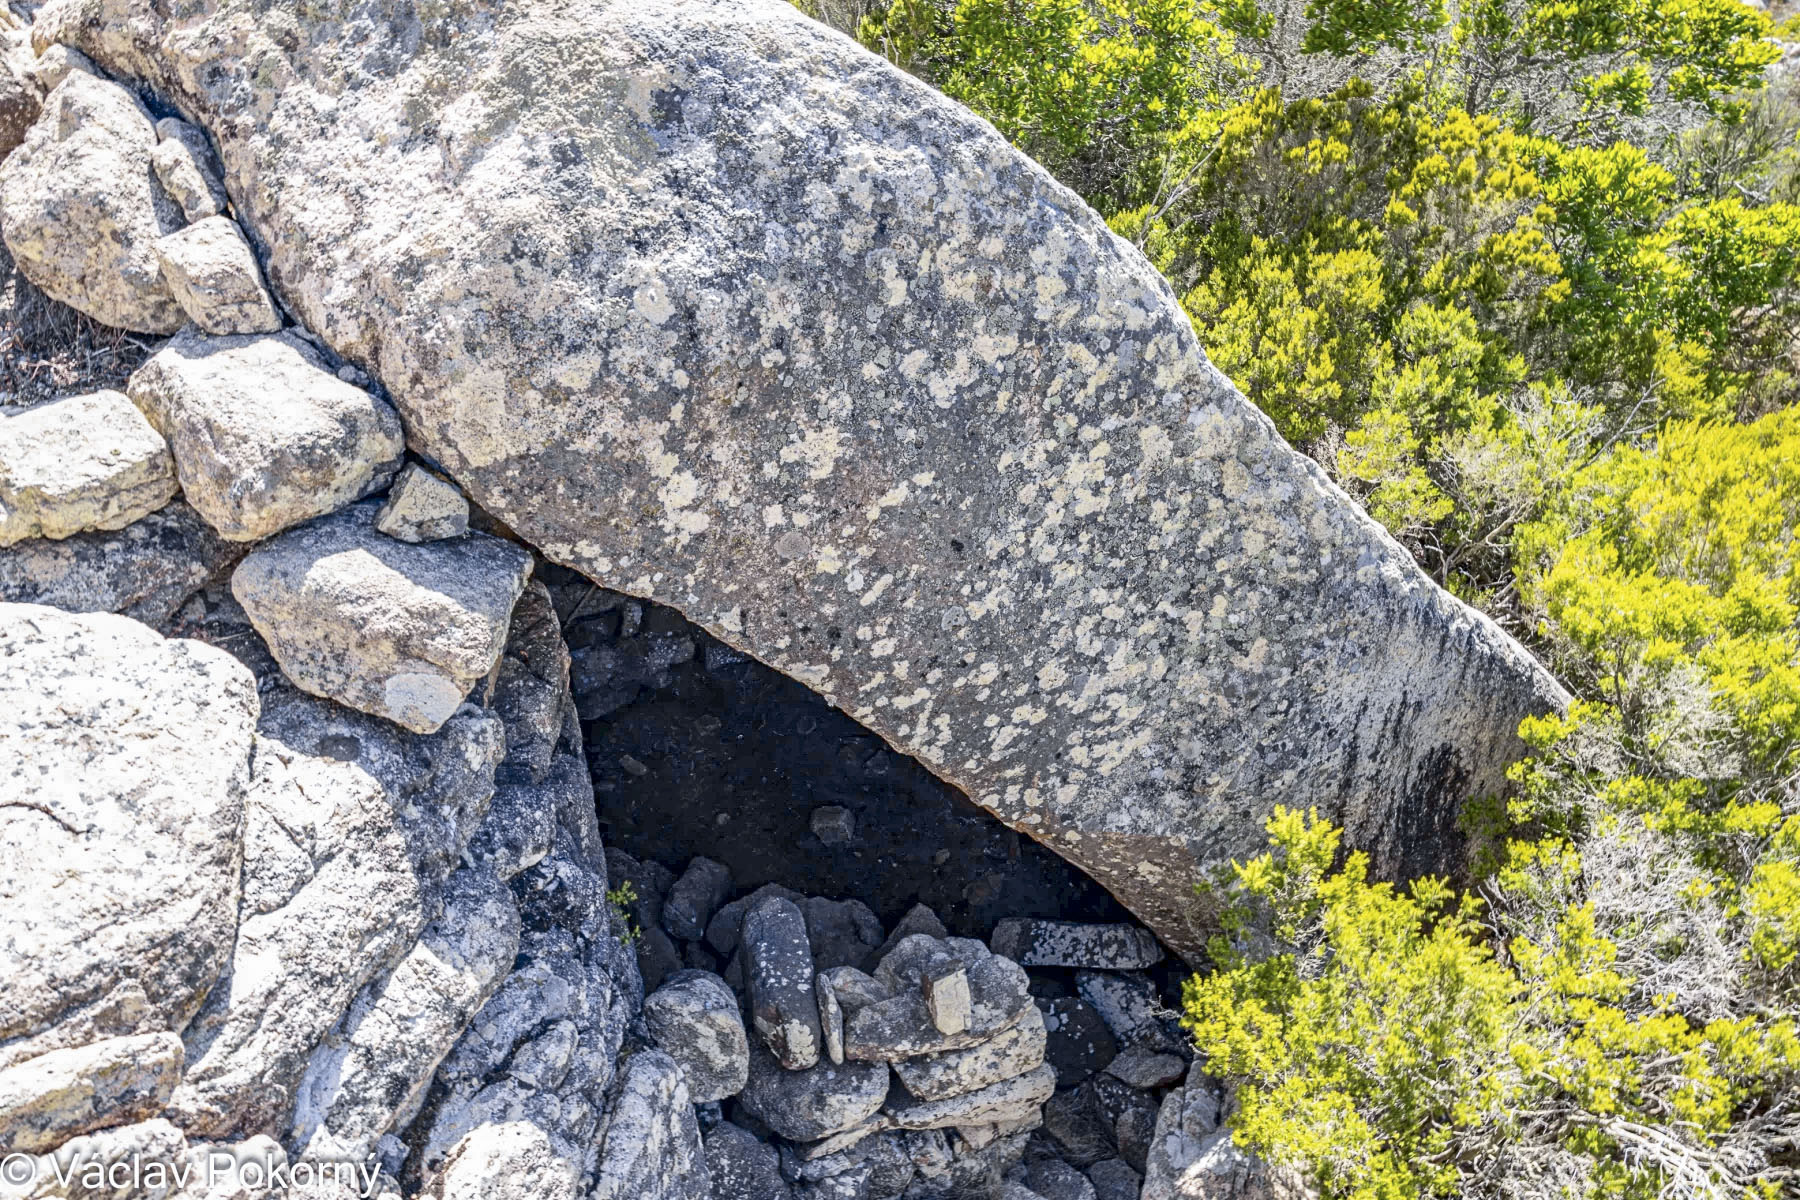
(47, 349)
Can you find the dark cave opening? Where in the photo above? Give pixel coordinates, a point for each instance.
(697, 749)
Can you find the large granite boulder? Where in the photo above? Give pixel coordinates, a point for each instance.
(707, 301)
(121, 826)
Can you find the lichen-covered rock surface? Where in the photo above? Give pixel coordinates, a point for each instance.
(709, 302)
(77, 464)
(82, 210)
(120, 840)
(387, 627)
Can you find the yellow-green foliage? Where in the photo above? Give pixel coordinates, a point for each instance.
(1522, 273)
(1389, 268)
(1385, 1050)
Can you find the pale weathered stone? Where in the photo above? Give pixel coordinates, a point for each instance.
(778, 330)
(187, 170)
(54, 63)
(694, 1019)
(143, 571)
(47, 1100)
(420, 507)
(511, 1161)
(946, 992)
(831, 1016)
(1009, 1100)
(377, 1064)
(148, 1150)
(212, 273)
(1011, 1052)
(80, 463)
(351, 829)
(651, 1148)
(399, 630)
(1037, 943)
(264, 436)
(124, 765)
(80, 209)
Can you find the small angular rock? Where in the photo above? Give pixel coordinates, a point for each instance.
(264, 437)
(804, 1106)
(695, 897)
(1142, 1067)
(946, 992)
(421, 507)
(212, 273)
(834, 825)
(918, 919)
(902, 1027)
(77, 464)
(1113, 1179)
(396, 630)
(742, 1166)
(694, 1019)
(1079, 1041)
(1036, 943)
(831, 1016)
(779, 979)
(853, 989)
(47, 1100)
(187, 170)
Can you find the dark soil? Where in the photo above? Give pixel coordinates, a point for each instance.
(719, 755)
(48, 350)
